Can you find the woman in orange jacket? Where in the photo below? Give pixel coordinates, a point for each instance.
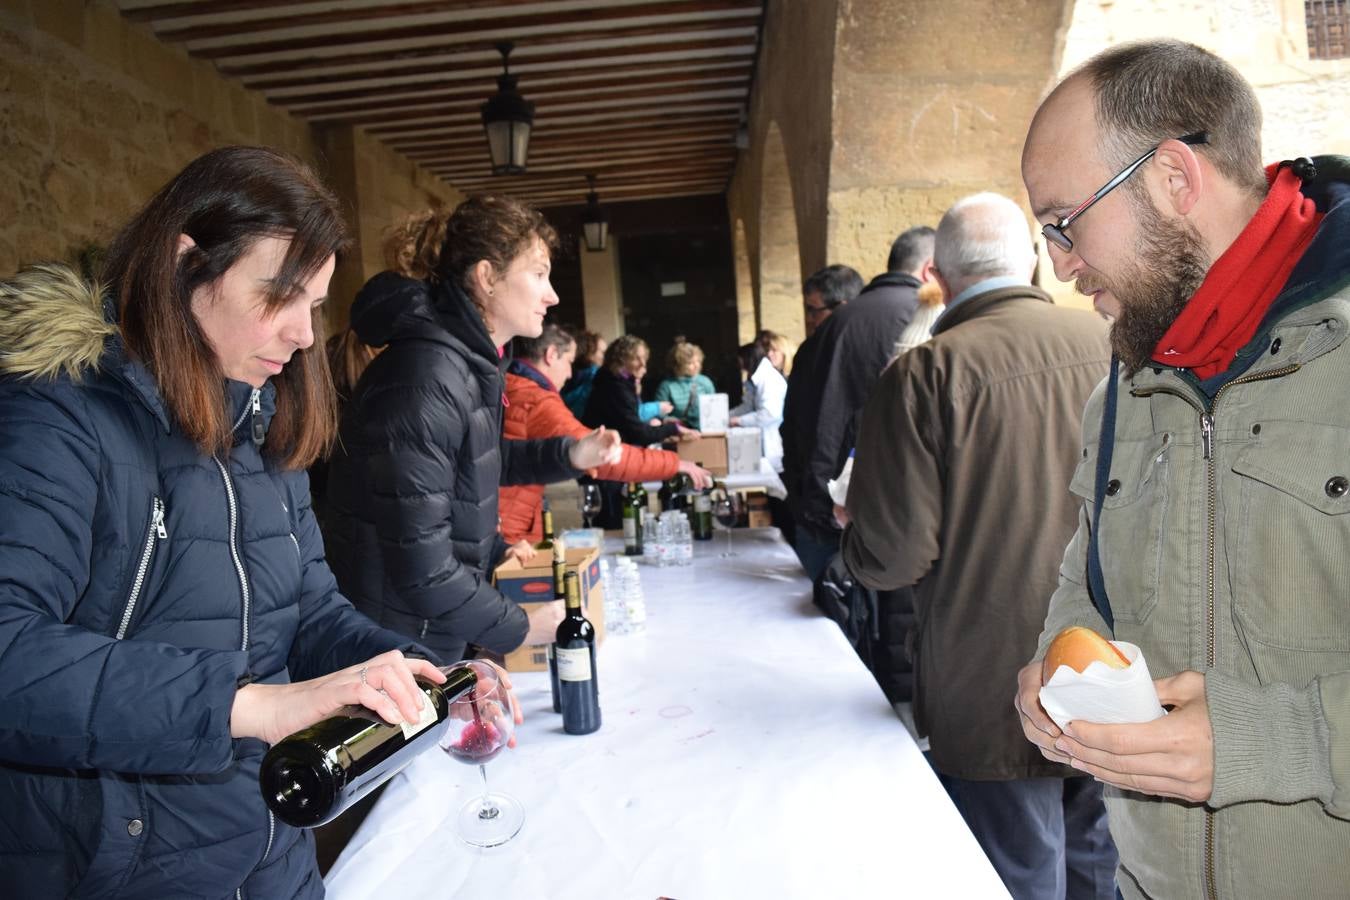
(535, 409)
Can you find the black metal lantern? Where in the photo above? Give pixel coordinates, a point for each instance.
(594, 225)
(508, 119)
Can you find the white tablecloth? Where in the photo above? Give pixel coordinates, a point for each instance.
(746, 753)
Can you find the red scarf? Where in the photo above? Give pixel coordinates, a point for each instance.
(1225, 312)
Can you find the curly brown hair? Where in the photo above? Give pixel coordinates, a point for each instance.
(623, 350)
(413, 246)
(490, 227)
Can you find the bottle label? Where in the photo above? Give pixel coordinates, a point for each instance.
(629, 529)
(574, 665)
(702, 503)
(428, 718)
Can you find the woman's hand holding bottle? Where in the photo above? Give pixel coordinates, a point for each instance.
(384, 684)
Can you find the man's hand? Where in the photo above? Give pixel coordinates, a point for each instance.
(544, 619)
(666, 407)
(599, 448)
(841, 516)
(1169, 757)
(686, 433)
(1038, 728)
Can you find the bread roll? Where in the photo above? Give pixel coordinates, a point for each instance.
(1076, 647)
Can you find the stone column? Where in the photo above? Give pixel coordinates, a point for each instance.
(601, 289)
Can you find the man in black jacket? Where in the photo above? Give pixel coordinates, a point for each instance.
(856, 343)
(823, 293)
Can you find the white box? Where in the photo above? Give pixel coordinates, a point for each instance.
(745, 448)
(712, 413)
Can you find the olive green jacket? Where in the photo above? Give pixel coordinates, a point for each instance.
(1225, 548)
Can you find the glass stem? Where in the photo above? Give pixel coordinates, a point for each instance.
(489, 811)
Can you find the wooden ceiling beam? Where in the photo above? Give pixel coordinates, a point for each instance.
(182, 10)
(580, 167)
(384, 102)
(577, 25)
(617, 115)
(390, 63)
(581, 131)
(635, 140)
(617, 97)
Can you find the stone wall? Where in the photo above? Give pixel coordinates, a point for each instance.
(932, 102)
(96, 114)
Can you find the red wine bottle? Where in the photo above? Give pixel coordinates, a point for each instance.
(578, 689)
(309, 778)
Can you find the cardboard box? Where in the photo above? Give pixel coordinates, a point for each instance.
(745, 447)
(713, 413)
(533, 583)
(710, 450)
(757, 513)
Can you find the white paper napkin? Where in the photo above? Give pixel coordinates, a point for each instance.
(1102, 694)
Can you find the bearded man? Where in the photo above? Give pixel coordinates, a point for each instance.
(1214, 484)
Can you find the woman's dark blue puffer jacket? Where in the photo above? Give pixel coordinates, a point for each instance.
(140, 584)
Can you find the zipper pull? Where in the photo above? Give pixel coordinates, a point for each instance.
(1207, 434)
(259, 431)
(158, 521)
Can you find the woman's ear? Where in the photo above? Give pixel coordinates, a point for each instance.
(185, 244)
(484, 279)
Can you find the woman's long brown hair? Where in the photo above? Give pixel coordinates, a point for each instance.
(225, 201)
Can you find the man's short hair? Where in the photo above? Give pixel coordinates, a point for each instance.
(911, 249)
(554, 336)
(835, 284)
(1149, 91)
(984, 235)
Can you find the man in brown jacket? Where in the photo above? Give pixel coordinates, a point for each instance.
(958, 489)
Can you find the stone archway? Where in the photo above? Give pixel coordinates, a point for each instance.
(779, 306)
(745, 287)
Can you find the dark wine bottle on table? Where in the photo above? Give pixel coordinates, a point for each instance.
(634, 502)
(578, 688)
(559, 593)
(312, 776)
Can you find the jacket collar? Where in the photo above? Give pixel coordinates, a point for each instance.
(982, 303)
(525, 370)
(890, 279)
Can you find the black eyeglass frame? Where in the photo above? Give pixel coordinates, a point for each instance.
(1054, 231)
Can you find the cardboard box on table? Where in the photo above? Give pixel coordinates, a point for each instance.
(710, 450)
(757, 513)
(745, 448)
(713, 413)
(533, 583)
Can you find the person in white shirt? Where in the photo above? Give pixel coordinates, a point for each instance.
(765, 389)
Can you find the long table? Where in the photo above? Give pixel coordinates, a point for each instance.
(745, 753)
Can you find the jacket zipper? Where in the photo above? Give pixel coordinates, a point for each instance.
(254, 408)
(1207, 429)
(157, 531)
(1207, 436)
(234, 548)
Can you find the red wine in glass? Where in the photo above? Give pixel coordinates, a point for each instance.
(487, 725)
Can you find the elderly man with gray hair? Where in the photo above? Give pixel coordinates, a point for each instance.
(958, 490)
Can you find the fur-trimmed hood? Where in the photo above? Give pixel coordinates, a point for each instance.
(51, 322)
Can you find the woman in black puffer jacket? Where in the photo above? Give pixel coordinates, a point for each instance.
(165, 610)
(413, 479)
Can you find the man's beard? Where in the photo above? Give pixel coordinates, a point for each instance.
(1170, 262)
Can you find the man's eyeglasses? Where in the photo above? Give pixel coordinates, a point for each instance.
(814, 311)
(1054, 232)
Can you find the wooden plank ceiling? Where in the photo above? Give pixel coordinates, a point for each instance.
(644, 94)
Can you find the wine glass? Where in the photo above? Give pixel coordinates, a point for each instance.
(589, 502)
(727, 511)
(480, 726)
